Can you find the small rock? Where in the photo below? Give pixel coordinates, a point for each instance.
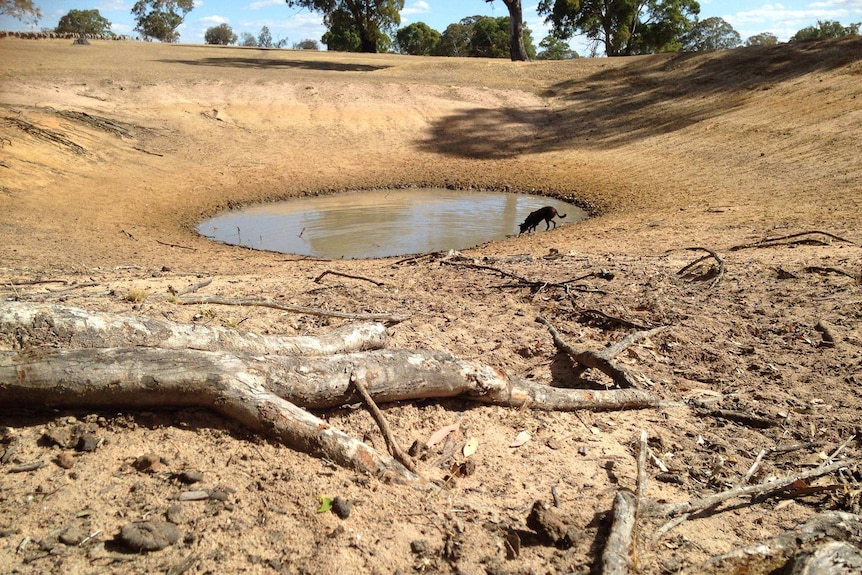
(88, 443)
(149, 535)
(59, 436)
(419, 547)
(65, 460)
(197, 495)
(149, 462)
(341, 507)
(190, 476)
(73, 535)
(175, 514)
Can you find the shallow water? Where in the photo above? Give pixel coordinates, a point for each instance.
(381, 223)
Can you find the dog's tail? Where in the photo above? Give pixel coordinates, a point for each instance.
(561, 216)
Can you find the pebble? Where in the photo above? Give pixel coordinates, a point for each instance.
(149, 535)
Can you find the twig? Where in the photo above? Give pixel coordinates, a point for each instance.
(767, 242)
(672, 509)
(176, 246)
(742, 417)
(215, 300)
(355, 277)
(391, 443)
(828, 270)
(642, 476)
(753, 468)
(601, 360)
(711, 254)
(840, 448)
(588, 314)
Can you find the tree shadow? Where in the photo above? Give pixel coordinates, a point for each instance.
(644, 97)
(271, 64)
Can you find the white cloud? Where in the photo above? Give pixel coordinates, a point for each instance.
(213, 20)
(265, 4)
(784, 22)
(419, 7)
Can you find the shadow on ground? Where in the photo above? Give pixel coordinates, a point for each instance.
(643, 98)
(274, 64)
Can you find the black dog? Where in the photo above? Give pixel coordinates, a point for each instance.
(548, 213)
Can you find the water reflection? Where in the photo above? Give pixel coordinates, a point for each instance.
(380, 223)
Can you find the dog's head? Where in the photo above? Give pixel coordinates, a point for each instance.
(524, 227)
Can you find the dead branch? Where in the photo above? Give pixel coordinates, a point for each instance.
(355, 277)
(589, 316)
(601, 360)
(215, 300)
(773, 554)
(672, 509)
(828, 270)
(710, 254)
(617, 554)
(391, 443)
(33, 324)
(161, 243)
(768, 242)
(195, 287)
(742, 417)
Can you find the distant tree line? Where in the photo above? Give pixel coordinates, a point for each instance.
(618, 28)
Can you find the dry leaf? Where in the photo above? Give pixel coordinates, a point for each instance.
(521, 439)
(470, 447)
(441, 434)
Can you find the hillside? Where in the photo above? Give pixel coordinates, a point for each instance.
(111, 153)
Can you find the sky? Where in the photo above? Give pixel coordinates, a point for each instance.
(747, 17)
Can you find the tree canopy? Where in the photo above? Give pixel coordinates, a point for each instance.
(553, 48)
(826, 29)
(623, 27)
(221, 35)
(417, 39)
(369, 20)
(762, 39)
(24, 10)
(159, 19)
(711, 34)
(84, 22)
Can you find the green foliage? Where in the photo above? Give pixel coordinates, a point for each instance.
(762, 39)
(24, 10)
(84, 22)
(552, 48)
(825, 29)
(455, 40)
(307, 44)
(159, 19)
(370, 21)
(623, 27)
(222, 35)
(482, 37)
(248, 40)
(417, 39)
(264, 39)
(711, 34)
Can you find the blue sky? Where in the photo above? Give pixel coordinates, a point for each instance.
(748, 18)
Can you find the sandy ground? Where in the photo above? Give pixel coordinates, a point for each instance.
(669, 152)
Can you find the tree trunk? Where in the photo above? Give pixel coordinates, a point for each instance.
(517, 50)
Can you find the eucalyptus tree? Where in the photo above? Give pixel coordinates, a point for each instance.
(623, 27)
(371, 20)
(83, 22)
(159, 19)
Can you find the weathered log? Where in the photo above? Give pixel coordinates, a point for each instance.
(617, 554)
(775, 553)
(42, 324)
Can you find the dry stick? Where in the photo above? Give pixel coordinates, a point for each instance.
(617, 556)
(838, 449)
(601, 360)
(672, 509)
(712, 255)
(585, 313)
(355, 277)
(753, 468)
(767, 241)
(828, 270)
(392, 317)
(175, 246)
(195, 287)
(391, 443)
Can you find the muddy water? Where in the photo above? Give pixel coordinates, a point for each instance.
(381, 223)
